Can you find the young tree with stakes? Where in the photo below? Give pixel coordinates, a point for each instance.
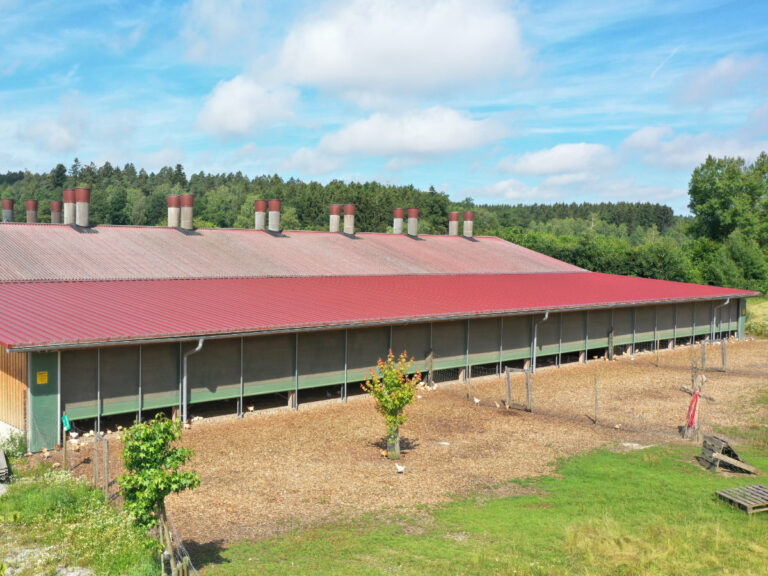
(152, 464)
(393, 391)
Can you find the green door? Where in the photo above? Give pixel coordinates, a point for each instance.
(43, 400)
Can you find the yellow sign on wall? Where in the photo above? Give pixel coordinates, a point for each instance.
(42, 377)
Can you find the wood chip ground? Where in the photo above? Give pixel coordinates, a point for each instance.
(268, 473)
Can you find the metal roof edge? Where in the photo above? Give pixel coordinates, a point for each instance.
(368, 324)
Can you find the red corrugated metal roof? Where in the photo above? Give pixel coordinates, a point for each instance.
(56, 252)
(53, 314)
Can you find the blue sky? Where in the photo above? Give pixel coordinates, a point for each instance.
(500, 101)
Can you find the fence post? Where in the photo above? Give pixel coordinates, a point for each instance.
(528, 392)
(106, 470)
(725, 356)
(469, 382)
(703, 355)
(595, 399)
(509, 387)
(95, 463)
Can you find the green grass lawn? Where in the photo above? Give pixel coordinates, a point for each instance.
(61, 521)
(757, 316)
(647, 512)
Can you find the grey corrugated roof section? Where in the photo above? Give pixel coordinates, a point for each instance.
(39, 252)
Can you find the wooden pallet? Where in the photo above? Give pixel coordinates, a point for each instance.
(751, 499)
(717, 454)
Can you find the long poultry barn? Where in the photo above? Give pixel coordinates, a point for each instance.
(106, 320)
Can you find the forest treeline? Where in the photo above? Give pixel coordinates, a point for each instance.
(724, 242)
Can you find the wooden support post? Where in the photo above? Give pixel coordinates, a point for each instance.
(509, 387)
(703, 355)
(725, 356)
(292, 400)
(469, 382)
(106, 470)
(528, 392)
(595, 399)
(95, 463)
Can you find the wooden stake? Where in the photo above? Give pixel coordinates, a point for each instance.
(509, 387)
(703, 355)
(725, 356)
(595, 399)
(528, 392)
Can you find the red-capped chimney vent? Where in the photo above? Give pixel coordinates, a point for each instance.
(469, 220)
(413, 221)
(260, 214)
(334, 217)
(56, 212)
(82, 206)
(453, 223)
(187, 211)
(31, 206)
(397, 221)
(349, 219)
(69, 206)
(7, 204)
(274, 215)
(174, 211)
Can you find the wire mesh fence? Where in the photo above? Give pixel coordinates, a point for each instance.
(596, 388)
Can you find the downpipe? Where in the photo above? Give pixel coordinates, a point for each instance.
(535, 338)
(184, 380)
(714, 317)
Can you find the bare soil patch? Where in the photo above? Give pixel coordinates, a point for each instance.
(268, 473)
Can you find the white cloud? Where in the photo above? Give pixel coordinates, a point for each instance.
(161, 158)
(407, 138)
(435, 130)
(398, 46)
(587, 188)
(215, 31)
(311, 161)
(660, 146)
(561, 159)
(52, 135)
(240, 105)
(720, 80)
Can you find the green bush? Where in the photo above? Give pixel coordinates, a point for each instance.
(14, 446)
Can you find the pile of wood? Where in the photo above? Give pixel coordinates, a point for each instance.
(717, 454)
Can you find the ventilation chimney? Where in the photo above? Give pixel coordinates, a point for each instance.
(349, 219)
(69, 207)
(55, 212)
(187, 209)
(274, 215)
(453, 223)
(82, 207)
(31, 211)
(335, 218)
(413, 221)
(260, 214)
(174, 211)
(397, 223)
(7, 209)
(469, 220)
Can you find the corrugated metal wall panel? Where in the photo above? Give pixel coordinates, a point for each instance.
(13, 388)
(684, 320)
(364, 347)
(449, 344)
(413, 339)
(484, 342)
(321, 358)
(599, 326)
(573, 332)
(666, 321)
(622, 326)
(516, 337)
